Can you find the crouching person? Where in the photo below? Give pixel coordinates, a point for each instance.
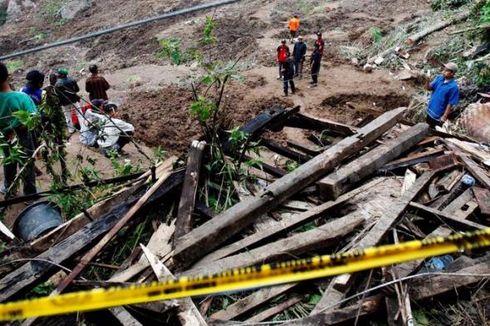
(114, 133)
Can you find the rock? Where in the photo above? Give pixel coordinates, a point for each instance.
(16, 7)
(72, 8)
(355, 61)
(368, 68)
(379, 60)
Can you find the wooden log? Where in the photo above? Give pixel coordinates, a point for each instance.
(349, 175)
(188, 312)
(211, 234)
(183, 223)
(448, 218)
(295, 245)
(393, 213)
(116, 228)
(272, 170)
(306, 121)
(250, 302)
(483, 198)
(476, 171)
(285, 225)
(268, 313)
(284, 151)
(434, 27)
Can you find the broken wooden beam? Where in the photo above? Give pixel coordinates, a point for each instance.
(448, 218)
(284, 225)
(116, 228)
(392, 214)
(211, 234)
(306, 121)
(483, 198)
(284, 151)
(476, 170)
(349, 175)
(280, 307)
(183, 223)
(410, 160)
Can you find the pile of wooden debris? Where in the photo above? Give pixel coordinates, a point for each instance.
(359, 187)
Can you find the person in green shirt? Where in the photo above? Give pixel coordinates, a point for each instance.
(12, 128)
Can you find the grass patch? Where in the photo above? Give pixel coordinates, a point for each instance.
(14, 65)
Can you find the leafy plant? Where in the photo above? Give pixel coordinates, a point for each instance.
(485, 13)
(122, 169)
(208, 31)
(42, 290)
(203, 108)
(170, 48)
(51, 9)
(291, 165)
(448, 4)
(376, 34)
(159, 153)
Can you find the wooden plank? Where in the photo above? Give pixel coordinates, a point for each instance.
(448, 218)
(6, 232)
(297, 244)
(483, 198)
(285, 225)
(250, 302)
(211, 234)
(284, 151)
(393, 213)
(308, 150)
(459, 202)
(476, 171)
(268, 313)
(183, 222)
(116, 228)
(408, 181)
(306, 121)
(347, 176)
(421, 157)
(34, 272)
(188, 312)
(124, 317)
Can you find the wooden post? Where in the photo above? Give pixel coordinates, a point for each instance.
(211, 234)
(183, 224)
(347, 176)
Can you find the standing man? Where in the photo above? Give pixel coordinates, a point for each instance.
(299, 54)
(445, 95)
(288, 73)
(11, 128)
(293, 27)
(67, 89)
(282, 56)
(34, 85)
(96, 86)
(315, 63)
(320, 42)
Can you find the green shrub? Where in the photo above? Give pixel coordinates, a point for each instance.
(448, 4)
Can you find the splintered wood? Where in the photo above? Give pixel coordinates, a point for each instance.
(350, 188)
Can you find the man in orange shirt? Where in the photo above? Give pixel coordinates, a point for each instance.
(293, 27)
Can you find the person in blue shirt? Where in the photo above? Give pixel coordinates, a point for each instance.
(445, 95)
(34, 86)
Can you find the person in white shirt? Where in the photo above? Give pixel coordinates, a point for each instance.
(114, 133)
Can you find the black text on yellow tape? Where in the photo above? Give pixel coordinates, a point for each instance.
(245, 278)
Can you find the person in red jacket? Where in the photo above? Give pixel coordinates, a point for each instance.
(282, 56)
(320, 42)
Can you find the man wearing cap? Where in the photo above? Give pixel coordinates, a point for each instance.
(114, 133)
(445, 95)
(282, 56)
(67, 89)
(299, 54)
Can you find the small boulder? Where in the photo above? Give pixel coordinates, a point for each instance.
(72, 8)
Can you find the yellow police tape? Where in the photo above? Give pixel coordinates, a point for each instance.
(246, 278)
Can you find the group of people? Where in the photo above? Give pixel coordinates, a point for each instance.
(291, 64)
(59, 107)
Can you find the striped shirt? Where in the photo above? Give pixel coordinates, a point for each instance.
(96, 87)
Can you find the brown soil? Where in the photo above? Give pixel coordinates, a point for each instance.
(163, 118)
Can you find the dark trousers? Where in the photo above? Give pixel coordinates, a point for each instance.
(298, 67)
(28, 176)
(314, 74)
(289, 81)
(124, 139)
(433, 122)
(281, 67)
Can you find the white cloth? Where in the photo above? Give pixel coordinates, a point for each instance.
(67, 112)
(111, 130)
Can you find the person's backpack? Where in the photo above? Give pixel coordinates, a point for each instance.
(282, 55)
